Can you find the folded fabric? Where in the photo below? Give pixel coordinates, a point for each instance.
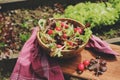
(34, 64)
(100, 46)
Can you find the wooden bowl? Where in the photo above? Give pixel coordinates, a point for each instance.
(66, 53)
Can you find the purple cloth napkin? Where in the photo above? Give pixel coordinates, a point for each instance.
(100, 46)
(34, 64)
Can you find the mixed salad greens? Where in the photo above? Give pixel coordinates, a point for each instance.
(60, 35)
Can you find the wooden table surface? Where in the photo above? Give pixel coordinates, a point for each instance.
(113, 65)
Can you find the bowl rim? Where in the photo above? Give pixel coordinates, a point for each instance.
(70, 20)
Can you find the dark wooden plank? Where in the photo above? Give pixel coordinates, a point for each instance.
(113, 40)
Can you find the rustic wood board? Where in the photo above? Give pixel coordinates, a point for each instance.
(10, 1)
(113, 65)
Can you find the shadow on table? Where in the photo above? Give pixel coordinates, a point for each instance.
(108, 57)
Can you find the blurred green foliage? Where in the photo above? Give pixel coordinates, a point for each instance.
(24, 37)
(98, 14)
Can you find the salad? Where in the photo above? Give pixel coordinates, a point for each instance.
(58, 35)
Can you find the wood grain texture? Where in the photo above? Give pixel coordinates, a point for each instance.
(113, 65)
(10, 1)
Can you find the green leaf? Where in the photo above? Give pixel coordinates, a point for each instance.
(24, 37)
(2, 44)
(70, 31)
(41, 24)
(24, 25)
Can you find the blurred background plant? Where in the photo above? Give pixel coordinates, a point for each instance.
(98, 14)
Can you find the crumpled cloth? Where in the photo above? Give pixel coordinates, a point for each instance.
(34, 64)
(100, 46)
